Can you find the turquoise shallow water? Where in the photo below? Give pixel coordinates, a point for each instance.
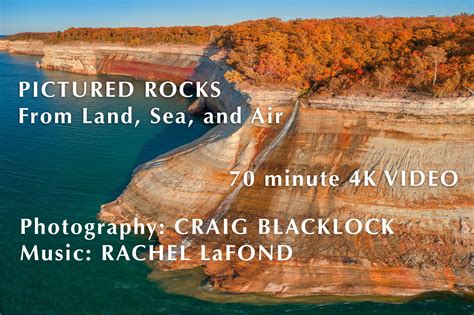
(67, 172)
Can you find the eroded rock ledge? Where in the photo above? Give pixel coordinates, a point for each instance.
(431, 248)
(433, 241)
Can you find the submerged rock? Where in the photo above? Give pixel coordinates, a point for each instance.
(198, 107)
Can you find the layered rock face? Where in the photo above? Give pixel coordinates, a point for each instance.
(151, 63)
(433, 240)
(431, 248)
(30, 47)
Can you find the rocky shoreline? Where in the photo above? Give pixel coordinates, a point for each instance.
(432, 247)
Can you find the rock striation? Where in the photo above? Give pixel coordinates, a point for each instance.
(432, 245)
(23, 47)
(432, 248)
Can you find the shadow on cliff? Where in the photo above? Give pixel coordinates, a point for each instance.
(156, 151)
(170, 138)
(229, 99)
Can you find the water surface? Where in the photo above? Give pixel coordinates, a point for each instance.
(59, 172)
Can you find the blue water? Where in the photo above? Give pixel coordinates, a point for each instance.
(59, 172)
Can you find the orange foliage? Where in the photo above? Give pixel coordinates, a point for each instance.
(323, 55)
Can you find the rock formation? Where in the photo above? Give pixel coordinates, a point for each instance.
(433, 241)
(23, 47)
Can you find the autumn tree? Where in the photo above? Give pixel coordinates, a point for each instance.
(337, 55)
(436, 55)
(383, 77)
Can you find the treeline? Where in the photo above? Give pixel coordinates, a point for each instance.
(134, 36)
(344, 55)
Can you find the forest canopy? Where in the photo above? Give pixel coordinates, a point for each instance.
(421, 54)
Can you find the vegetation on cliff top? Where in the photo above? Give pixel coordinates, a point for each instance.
(343, 55)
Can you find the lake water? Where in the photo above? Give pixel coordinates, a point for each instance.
(59, 172)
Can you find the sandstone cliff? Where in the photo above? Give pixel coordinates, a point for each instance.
(433, 241)
(30, 47)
